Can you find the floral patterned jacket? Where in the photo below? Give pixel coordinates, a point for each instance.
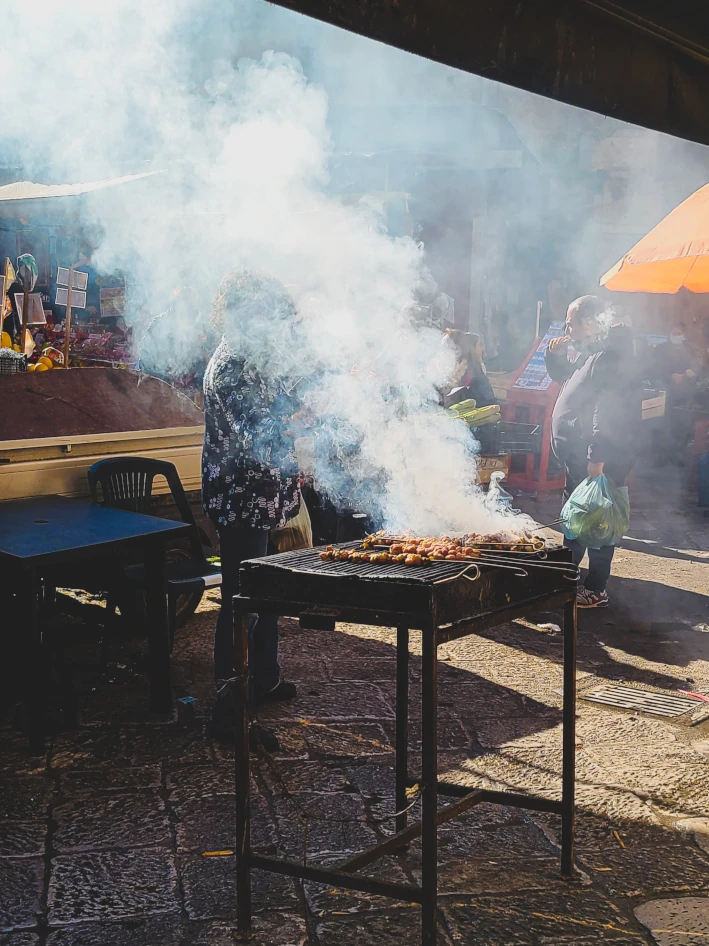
(249, 470)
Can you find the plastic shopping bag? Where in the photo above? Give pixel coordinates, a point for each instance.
(596, 513)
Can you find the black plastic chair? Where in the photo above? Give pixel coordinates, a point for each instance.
(127, 483)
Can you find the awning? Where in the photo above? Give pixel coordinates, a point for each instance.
(26, 190)
(641, 61)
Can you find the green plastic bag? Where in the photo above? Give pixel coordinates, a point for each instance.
(596, 513)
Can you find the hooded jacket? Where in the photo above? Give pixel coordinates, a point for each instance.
(598, 413)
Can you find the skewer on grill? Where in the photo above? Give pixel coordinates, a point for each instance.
(409, 544)
(571, 571)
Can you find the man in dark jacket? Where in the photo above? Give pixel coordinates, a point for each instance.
(596, 417)
(675, 369)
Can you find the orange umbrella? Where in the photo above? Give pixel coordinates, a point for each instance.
(674, 255)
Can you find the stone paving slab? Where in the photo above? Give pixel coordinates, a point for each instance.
(678, 780)
(208, 824)
(165, 931)
(22, 839)
(169, 744)
(186, 782)
(112, 885)
(335, 825)
(87, 748)
(348, 642)
(539, 917)
(333, 740)
(520, 732)
(681, 922)
(21, 882)
(398, 928)
(452, 733)
(281, 930)
(380, 670)
(326, 899)
(651, 861)
(307, 674)
(505, 875)
(16, 760)
(276, 929)
(304, 776)
(115, 779)
(25, 798)
(19, 939)
(114, 705)
(333, 701)
(102, 822)
(489, 859)
(209, 885)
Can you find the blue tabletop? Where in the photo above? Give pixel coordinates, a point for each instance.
(53, 528)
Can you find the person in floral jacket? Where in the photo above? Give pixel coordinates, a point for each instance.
(250, 481)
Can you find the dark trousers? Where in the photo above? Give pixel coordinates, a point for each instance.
(236, 546)
(599, 560)
(599, 563)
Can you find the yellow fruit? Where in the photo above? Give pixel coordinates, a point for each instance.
(16, 348)
(31, 367)
(45, 361)
(40, 367)
(6, 341)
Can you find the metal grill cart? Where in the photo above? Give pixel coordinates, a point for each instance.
(445, 601)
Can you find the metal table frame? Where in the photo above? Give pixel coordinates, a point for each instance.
(344, 874)
(55, 529)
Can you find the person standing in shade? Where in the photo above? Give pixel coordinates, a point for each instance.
(597, 417)
(250, 482)
(675, 368)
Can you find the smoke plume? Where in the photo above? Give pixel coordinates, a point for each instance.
(243, 107)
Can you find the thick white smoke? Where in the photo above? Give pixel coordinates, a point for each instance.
(107, 90)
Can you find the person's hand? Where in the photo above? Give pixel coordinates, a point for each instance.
(594, 469)
(677, 378)
(689, 373)
(558, 343)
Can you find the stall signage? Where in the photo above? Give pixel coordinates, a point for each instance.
(79, 283)
(78, 298)
(535, 377)
(80, 280)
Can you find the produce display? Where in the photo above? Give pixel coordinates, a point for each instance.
(473, 415)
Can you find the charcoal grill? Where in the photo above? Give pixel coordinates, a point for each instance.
(445, 601)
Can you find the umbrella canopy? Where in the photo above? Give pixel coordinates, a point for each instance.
(674, 255)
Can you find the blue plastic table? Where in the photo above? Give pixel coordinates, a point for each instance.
(53, 530)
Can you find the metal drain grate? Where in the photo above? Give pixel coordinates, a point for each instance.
(642, 701)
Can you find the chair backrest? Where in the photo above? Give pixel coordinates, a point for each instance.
(127, 483)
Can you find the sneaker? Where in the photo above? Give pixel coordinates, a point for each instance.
(591, 599)
(262, 738)
(283, 690)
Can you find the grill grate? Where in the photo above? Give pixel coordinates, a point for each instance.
(643, 701)
(309, 560)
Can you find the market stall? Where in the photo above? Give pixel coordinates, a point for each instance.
(671, 263)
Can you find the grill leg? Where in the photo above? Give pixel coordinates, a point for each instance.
(569, 741)
(242, 772)
(402, 722)
(429, 777)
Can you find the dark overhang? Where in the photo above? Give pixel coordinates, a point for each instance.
(642, 61)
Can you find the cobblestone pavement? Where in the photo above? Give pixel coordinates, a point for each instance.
(102, 840)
